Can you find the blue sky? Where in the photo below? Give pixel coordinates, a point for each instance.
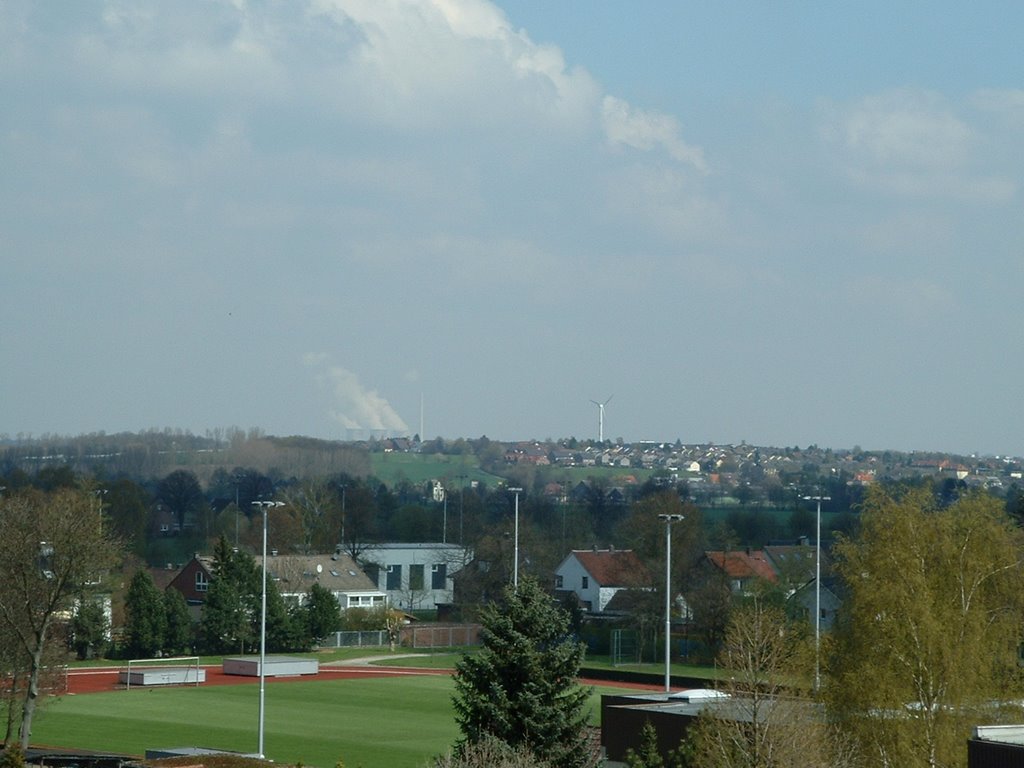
(786, 223)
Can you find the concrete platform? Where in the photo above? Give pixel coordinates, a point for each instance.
(162, 676)
(276, 666)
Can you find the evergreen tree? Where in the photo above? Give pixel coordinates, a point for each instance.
(521, 688)
(231, 612)
(227, 619)
(178, 632)
(322, 614)
(145, 618)
(89, 629)
(647, 756)
(283, 632)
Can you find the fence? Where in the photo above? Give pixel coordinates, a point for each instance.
(370, 639)
(410, 636)
(439, 635)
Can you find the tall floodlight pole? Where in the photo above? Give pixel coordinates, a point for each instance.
(462, 503)
(668, 519)
(515, 560)
(100, 493)
(817, 590)
(343, 486)
(265, 507)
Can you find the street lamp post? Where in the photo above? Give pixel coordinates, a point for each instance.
(265, 507)
(668, 519)
(100, 493)
(462, 503)
(515, 561)
(817, 590)
(343, 487)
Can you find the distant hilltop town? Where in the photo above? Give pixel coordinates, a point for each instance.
(732, 467)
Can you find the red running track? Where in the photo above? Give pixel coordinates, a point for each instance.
(102, 679)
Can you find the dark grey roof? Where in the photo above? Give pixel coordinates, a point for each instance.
(337, 573)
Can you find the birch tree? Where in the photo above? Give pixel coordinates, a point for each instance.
(929, 633)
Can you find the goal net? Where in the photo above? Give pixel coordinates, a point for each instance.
(169, 670)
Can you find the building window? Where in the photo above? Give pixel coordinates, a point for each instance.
(586, 582)
(372, 570)
(394, 580)
(558, 581)
(438, 576)
(416, 577)
(202, 583)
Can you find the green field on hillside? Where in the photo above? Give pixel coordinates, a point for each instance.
(393, 468)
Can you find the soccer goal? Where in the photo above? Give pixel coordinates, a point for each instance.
(624, 647)
(172, 670)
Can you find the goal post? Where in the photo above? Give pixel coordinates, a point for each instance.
(167, 670)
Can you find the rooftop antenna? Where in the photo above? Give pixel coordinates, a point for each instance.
(600, 417)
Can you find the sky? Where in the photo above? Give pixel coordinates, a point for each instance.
(786, 223)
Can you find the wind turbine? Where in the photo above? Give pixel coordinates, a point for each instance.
(600, 417)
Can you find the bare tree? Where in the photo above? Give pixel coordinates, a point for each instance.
(768, 719)
(53, 550)
(317, 508)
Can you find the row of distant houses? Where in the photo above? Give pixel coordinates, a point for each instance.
(405, 576)
(603, 579)
(422, 576)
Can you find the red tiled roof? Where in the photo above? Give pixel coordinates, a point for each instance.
(612, 567)
(740, 564)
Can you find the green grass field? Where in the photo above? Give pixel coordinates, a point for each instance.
(392, 468)
(375, 723)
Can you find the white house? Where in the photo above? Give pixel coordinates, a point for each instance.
(415, 575)
(596, 575)
(295, 575)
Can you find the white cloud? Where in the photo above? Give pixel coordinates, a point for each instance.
(355, 407)
(912, 143)
(907, 129)
(645, 130)
(1007, 103)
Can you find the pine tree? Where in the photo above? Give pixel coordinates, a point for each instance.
(178, 634)
(322, 614)
(521, 688)
(145, 618)
(89, 629)
(647, 756)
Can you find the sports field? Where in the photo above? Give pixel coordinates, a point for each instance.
(371, 717)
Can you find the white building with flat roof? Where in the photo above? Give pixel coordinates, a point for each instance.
(415, 576)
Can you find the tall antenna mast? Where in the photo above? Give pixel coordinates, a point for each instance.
(422, 436)
(600, 417)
